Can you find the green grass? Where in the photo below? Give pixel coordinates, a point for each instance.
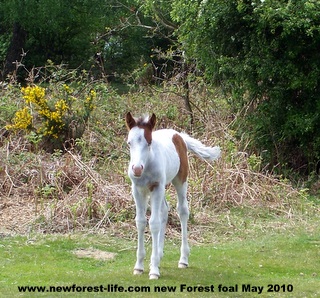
(271, 259)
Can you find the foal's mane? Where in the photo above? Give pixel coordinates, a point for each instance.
(142, 121)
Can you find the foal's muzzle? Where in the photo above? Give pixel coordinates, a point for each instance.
(137, 171)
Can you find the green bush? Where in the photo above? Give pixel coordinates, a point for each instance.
(266, 54)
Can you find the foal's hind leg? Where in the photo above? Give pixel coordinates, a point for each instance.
(156, 224)
(164, 220)
(183, 212)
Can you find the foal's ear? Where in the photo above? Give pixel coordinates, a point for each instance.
(130, 122)
(152, 121)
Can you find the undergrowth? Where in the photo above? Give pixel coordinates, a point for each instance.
(85, 185)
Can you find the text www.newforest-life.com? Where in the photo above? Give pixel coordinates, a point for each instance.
(115, 288)
(110, 288)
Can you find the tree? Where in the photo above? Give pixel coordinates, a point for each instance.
(61, 30)
(70, 32)
(266, 54)
(103, 36)
(14, 50)
(169, 59)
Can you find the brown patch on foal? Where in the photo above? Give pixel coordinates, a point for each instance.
(182, 152)
(153, 185)
(147, 127)
(147, 132)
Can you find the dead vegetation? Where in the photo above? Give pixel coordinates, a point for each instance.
(55, 193)
(62, 193)
(95, 254)
(86, 188)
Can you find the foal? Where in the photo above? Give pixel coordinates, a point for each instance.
(156, 159)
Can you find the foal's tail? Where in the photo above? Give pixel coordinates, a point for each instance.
(195, 146)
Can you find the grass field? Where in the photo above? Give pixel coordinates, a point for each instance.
(269, 262)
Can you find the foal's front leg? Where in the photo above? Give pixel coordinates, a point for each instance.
(155, 223)
(141, 222)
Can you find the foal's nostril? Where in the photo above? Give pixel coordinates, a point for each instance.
(137, 171)
(134, 167)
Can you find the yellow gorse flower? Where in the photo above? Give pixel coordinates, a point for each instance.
(52, 116)
(67, 89)
(34, 95)
(61, 106)
(21, 120)
(89, 100)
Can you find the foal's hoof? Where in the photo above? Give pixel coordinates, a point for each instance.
(182, 266)
(153, 276)
(137, 272)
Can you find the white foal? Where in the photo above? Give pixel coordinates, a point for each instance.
(156, 159)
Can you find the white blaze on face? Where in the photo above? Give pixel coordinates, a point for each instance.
(139, 149)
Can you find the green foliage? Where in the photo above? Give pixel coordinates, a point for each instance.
(101, 36)
(4, 44)
(125, 50)
(63, 30)
(266, 54)
(160, 12)
(8, 107)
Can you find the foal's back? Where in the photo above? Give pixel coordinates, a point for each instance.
(165, 152)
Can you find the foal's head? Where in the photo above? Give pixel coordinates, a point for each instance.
(139, 141)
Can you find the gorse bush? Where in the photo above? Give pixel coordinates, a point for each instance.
(55, 117)
(52, 124)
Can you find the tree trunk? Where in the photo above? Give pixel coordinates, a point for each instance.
(186, 87)
(15, 50)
